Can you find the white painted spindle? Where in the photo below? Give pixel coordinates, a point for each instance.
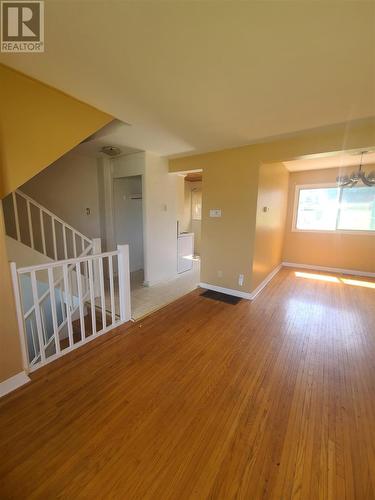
(96, 249)
(80, 300)
(16, 219)
(38, 320)
(74, 244)
(53, 309)
(102, 293)
(54, 237)
(67, 301)
(64, 242)
(42, 232)
(92, 297)
(30, 224)
(33, 338)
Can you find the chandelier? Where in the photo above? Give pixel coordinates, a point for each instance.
(355, 177)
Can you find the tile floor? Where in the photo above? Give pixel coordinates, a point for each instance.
(145, 300)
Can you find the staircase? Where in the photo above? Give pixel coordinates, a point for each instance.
(35, 226)
(69, 294)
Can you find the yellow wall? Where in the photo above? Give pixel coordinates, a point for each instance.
(230, 182)
(346, 251)
(38, 124)
(270, 224)
(10, 351)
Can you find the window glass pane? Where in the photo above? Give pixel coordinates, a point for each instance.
(357, 209)
(317, 209)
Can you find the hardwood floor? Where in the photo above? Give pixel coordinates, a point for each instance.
(270, 399)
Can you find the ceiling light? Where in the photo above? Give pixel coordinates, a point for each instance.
(355, 177)
(111, 150)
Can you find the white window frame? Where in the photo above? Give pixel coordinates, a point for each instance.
(324, 231)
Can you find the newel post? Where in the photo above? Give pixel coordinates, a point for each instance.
(124, 282)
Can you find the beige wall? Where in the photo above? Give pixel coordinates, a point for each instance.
(270, 224)
(10, 351)
(346, 251)
(38, 124)
(230, 182)
(67, 188)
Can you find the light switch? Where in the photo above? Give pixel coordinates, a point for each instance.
(215, 212)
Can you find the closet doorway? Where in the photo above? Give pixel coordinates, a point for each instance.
(128, 221)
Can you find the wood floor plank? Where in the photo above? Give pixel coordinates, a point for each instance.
(273, 398)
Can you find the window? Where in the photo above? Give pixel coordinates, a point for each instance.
(329, 208)
(196, 205)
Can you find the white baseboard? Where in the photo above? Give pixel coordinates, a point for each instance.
(329, 269)
(13, 383)
(228, 291)
(238, 293)
(265, 282)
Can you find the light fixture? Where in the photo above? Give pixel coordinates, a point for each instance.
(355, 177)
(111, 150)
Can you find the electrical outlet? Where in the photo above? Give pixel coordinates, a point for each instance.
(220, 274)
(240, 279)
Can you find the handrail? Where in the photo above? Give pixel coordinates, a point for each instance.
(46, 220)
(41, 267)
(51, 214)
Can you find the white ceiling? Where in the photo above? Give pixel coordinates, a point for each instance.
(199, 76)
(332, 161)
(113, 134)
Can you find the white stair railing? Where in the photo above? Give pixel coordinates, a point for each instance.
(42, 230)
(65, 304)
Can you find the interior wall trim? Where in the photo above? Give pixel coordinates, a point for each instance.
(13, 383)
(265, 282)
(228, 291)
(337, 270)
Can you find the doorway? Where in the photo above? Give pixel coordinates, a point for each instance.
(128, 221)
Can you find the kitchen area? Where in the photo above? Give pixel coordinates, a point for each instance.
(188, 228)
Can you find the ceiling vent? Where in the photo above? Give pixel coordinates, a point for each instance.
(111, 150)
